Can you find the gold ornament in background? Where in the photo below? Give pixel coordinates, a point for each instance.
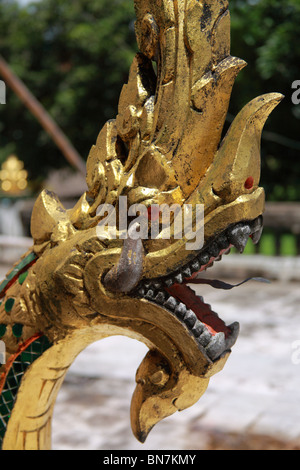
(13, 176)
(164, 146)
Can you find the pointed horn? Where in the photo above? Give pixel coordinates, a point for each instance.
(239, 153)
(127, 273)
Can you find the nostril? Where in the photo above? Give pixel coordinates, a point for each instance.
(249, 183)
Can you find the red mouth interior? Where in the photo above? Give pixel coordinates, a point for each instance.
(203, 312)
(187, 296)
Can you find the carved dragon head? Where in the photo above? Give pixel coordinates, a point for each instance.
(164, 147)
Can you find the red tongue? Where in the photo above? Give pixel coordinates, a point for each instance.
(184, 294)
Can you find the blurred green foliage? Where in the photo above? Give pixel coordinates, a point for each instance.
(75, 56)
(266, 34)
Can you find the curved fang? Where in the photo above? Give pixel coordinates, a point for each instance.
(127, 273)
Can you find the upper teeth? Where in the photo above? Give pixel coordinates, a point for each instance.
(237, 235)
(152, 290)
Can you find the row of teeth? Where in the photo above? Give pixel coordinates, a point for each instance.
(237, 236)
(214, 345)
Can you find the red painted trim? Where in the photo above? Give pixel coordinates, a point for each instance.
(11, 360)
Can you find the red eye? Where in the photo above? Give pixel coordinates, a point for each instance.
(249, 183)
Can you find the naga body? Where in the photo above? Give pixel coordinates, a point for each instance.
(164, 147)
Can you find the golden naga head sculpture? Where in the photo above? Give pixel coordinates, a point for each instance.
(164, 148)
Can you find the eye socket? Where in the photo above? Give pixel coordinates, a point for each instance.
(249, 183)
(159, 378)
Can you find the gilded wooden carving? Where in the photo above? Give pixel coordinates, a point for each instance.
(73, 287)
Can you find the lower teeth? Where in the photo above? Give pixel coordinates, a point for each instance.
(216, 344)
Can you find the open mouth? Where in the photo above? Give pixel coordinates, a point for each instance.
(173, 293)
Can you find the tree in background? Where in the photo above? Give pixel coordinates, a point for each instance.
(75, 56)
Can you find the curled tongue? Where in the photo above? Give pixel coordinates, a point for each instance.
(224, 285)
(203, 311)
